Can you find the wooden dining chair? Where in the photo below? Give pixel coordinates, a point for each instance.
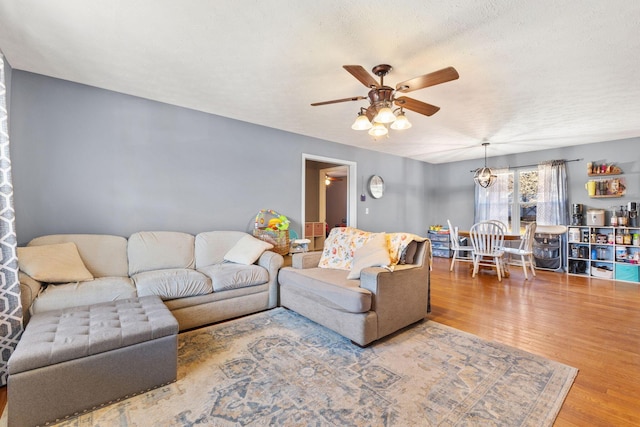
(500, 224)
(457, 248)
(525, 250)
(487, 239)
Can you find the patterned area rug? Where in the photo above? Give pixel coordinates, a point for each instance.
(278, 368)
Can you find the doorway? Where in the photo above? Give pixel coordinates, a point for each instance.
(316, 197)
(332, 201)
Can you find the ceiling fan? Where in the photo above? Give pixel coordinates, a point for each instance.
(382, 98)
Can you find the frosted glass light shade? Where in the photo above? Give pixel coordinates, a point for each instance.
(401, 123)
(361, 123)
(378, 129)
(385, 115)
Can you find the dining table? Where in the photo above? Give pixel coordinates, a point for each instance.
(507, 238)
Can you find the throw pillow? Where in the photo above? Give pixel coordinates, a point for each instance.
(409, 253)
(337, 252)
(247, 250)
(374, 253)
(57, 263)
(398, 242)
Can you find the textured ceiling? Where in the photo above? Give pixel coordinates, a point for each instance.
(533, 74)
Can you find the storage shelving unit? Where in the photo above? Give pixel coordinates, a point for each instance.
(316, 233)
(600, 251)
(440, 243)
(547, 247)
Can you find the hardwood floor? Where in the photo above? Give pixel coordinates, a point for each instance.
(590, 324)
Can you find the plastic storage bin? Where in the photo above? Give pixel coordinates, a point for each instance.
(630, 273)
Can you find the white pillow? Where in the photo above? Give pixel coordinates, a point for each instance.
(57, 263)
(247, 250)
(374, 253)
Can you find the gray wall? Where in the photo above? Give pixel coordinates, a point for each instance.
(87, 160)
(454, 191)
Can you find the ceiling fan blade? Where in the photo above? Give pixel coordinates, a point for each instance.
(417, 106)
(362, 75)
(335, 101)
(431, 79)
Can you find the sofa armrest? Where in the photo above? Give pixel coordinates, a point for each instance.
(29, 290)
(306, 259)
(273, 262)
(400, 297)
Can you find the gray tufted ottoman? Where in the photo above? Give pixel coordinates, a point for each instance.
(73, 360)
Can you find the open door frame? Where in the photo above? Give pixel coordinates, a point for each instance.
(322, 189)
(352, 186)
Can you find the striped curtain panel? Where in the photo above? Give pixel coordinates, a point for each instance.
(10, 307)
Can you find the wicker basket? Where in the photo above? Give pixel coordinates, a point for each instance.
(278, 238)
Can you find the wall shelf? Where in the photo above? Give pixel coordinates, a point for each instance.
(604, 174)
(606, 196)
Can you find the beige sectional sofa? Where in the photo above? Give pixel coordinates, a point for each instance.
(363, 285)
(203, 278)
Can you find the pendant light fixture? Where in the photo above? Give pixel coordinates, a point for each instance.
(484, 177)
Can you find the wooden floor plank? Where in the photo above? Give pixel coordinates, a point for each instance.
(590, 324)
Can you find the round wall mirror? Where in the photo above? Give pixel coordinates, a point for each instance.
(376, 186)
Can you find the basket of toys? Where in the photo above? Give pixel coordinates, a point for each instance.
(273, 228)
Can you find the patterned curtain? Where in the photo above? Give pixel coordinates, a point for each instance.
(10, 308)
(493, 202)
(553, 204)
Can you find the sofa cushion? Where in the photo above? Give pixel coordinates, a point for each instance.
(212, 246)
(159, 250)
(172, 283)
(374, 253)
(102, 289)
(57, 263)
(247, 250)
(104, 255)
(330, 286)
(232, 276)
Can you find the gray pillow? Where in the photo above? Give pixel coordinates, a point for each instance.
(409, 253)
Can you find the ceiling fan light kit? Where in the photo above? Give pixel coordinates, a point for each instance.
(485, 177)
(384, 116)
(379, 116)
(378, 129)
(401, 122)
(362, 122)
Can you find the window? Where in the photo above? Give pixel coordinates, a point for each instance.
(524, 184)
(524, 195)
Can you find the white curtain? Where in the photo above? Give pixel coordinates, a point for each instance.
(552, 206)
(10, 309)
(493, 202)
